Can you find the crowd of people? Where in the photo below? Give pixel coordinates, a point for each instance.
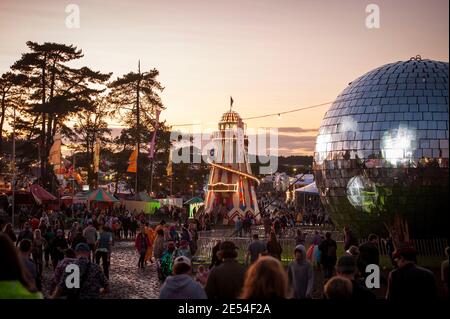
(290, 214)
(45, 243)
(265, 277)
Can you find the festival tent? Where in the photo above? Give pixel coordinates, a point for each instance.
(308, 189)
(80, 198)
(40, 195)
(67, 200)
(171, 201)
(100, 196)
(147, 207)
(143, 196)
(304, 179)
(194, 204)
(307, 195)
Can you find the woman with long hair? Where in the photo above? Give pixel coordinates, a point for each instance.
(266, 279)
(274, 247)
(13, 281)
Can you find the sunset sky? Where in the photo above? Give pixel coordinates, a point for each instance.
(271, 56)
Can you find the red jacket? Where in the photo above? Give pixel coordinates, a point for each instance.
(138, 241)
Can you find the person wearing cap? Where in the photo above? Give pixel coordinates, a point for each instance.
(254, 250)
(301, 274)
(410, 282)
(346, 267)
(93, 281)
(181, 285)
(226, 280)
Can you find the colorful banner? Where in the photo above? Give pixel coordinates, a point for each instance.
(169, 168)
(55, 153)
(132, 162)
(97, 155)
(152, 143)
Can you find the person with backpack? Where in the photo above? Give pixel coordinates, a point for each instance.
(93, 281)
(328, 249)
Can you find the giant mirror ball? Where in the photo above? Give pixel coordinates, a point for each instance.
(382, 150)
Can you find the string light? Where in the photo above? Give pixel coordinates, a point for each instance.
(273, 114)
(223, 188)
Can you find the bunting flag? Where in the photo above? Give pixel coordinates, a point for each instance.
(97, 155)
(132, 162)
(169, 168)
(54, 156)
(152, 143)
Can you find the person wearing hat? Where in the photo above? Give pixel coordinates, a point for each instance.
(301, 274)
(92, 281)
(410, 282)
(181, 285)
(226, 280)
(346, 267)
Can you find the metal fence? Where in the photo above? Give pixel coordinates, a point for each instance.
(425, 247)
(205, 246)
(208, 239)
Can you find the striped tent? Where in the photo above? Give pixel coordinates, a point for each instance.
(100, 195)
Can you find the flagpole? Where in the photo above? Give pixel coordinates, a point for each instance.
(14, 170)
(137, 128)
(151, 176)
(73, 180)
(98, 171)
(57, 184)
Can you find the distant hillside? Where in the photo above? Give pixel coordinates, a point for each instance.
(295, 160)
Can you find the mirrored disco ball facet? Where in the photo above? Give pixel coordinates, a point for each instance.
(383, 149)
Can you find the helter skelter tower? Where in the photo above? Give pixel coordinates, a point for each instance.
(231, 187)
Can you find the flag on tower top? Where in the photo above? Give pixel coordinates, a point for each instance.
(231, 102)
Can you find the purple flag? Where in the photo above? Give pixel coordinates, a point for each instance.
(152, 143)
